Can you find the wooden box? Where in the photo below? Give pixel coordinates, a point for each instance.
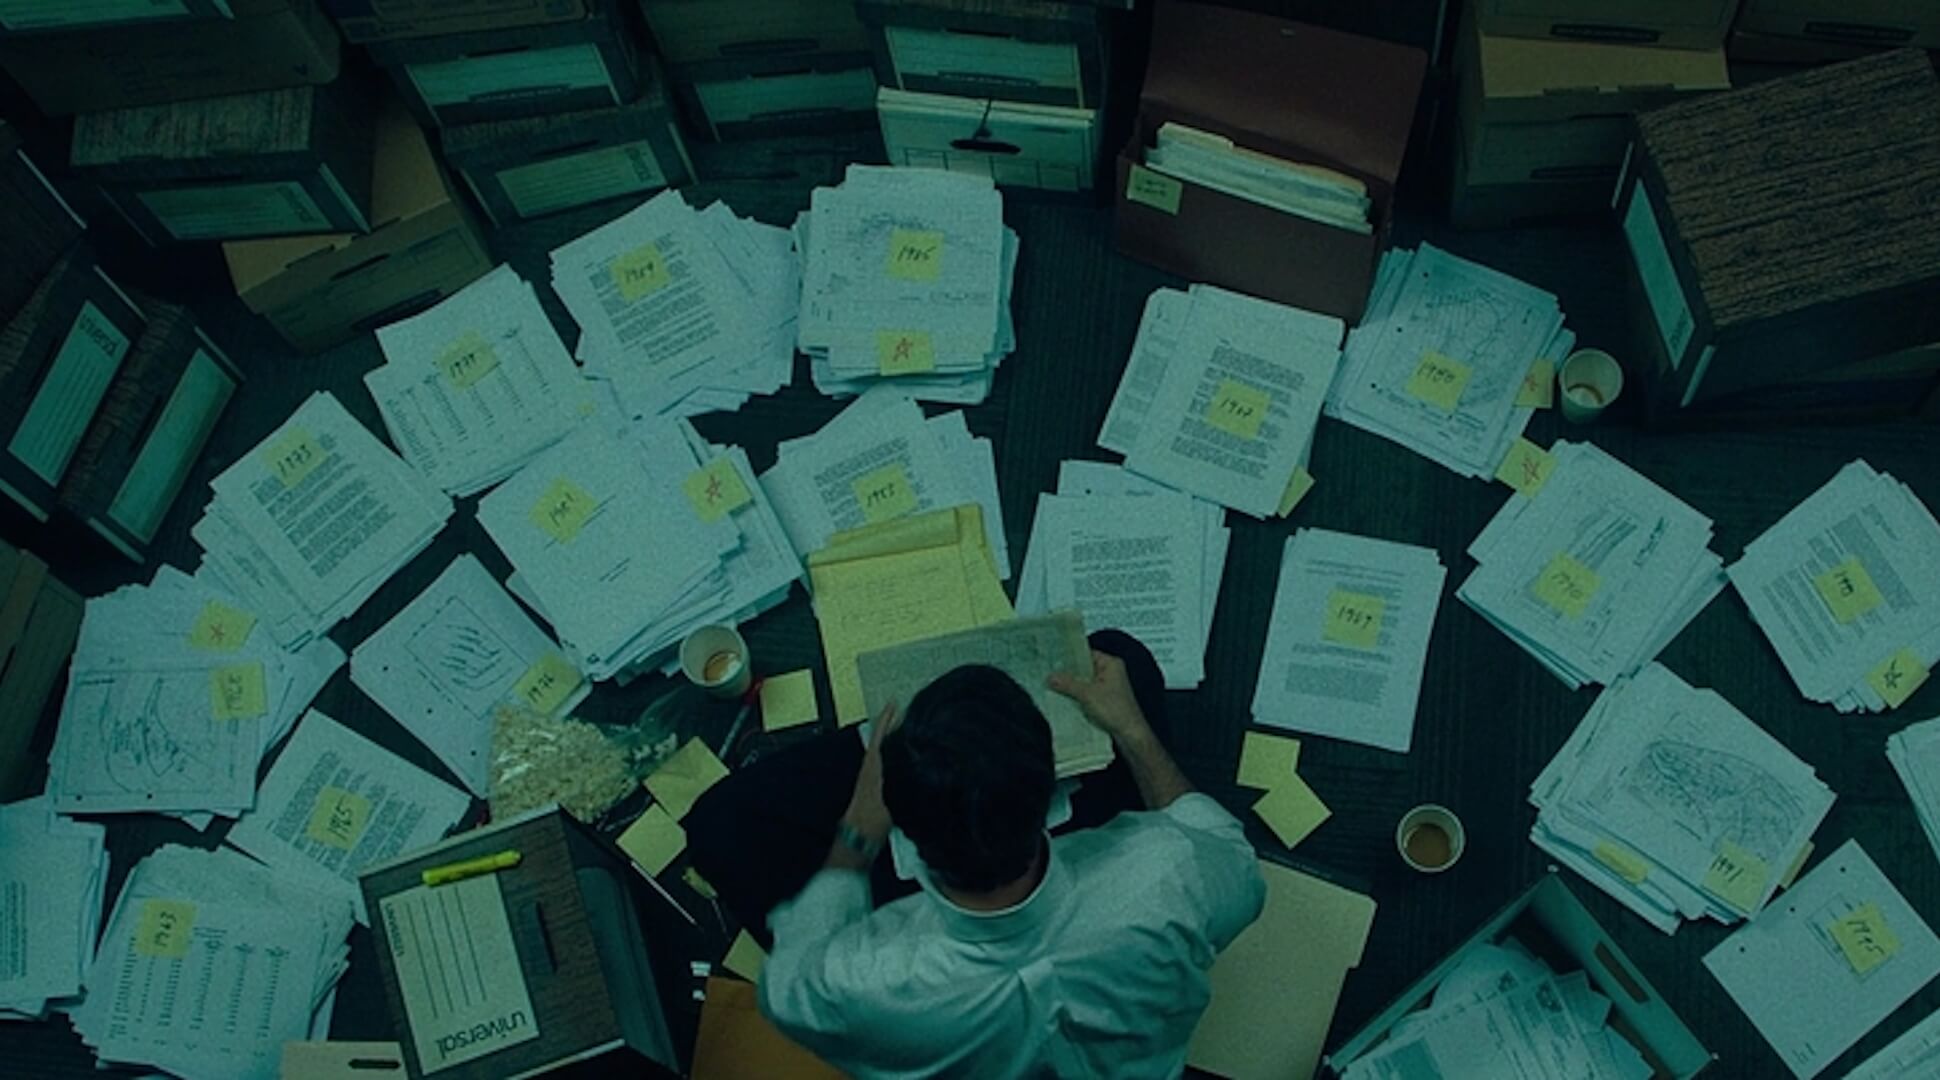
(697, 31)
(589, 63)
(272, 163)
(1783, 228)
(364, 21)
(40, 619)
(527, 168)
(1678, 24)
(1048, 52)
(758, 97)
(157, 417)
(36, 224)
(42, 17)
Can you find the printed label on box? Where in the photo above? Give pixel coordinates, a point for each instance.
(68, 397)
(525, 74)
(234, 211)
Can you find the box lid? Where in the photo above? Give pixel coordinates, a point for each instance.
(1522, 79)
(1285, 88)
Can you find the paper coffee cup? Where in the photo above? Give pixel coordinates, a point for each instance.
(1589, 381)
(715, 658)
(1430, 838)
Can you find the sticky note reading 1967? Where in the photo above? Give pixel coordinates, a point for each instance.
(164, 928)
(915, 255)
(1566, 585)
(293, 457)
(1353, 619)
(468, 360)
(1238, 409)
(885, 494)
(563, 510)
(904, 352)
(338, 818)
(1439, 380)
(640, 273)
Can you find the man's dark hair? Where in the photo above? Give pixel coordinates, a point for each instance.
(969, 776)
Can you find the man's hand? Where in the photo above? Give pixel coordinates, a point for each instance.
(1106, 697)
(866, 813)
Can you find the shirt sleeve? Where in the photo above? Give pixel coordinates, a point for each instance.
(798, 982)
(1226, 870)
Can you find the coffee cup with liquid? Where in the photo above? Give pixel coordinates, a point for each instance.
(1430, 838)
(715, 658)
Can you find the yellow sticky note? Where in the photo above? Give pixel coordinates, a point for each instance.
(1238, 409)
(1526, 467)
(547, 684)
(338, 818)
(1292, 810)
(1566, 585)
(1897, 677)
(904, 352)
(1156, 190)
(1353, 619)
(639, 273)
(468, 360)
(885, 494)
(1737, 877)
(1865, 938)
(915, 255)
(1267, 761)
(1439, 380)
(788, 700)
(654, 840)
(164, 928)
(563, 510)
(1539, 386)
(683, 778)
(1848, 590)
(745, 957)
(236, 692)
(220, 628)
(701, 886)
(1628, 864)
(293, 457)
(1297, 488)
(717, 490)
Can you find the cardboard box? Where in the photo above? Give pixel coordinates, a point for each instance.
(1867, 24)
(36, 224)
(1289, 90)
(58, 356)
(760, 97)
(697, 31)
(272, 163)
(1783, 229)
(1554, 925)
(1548, 201)
(1677, 24)
(268, 45)
(423, 246)
(1899, 386)
(365, 21)
(1015, 144)
(1745, 47)
(484, 75)
(40, 619)
(1047, 52)
(42, 17)
(522, 169)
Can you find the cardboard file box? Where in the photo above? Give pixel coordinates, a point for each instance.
(697, 31)
(423, 246)
(40, 619)
(268, 45)
(589, 63)
(1043, 51)
(36, 224)
(528, 168)
(778, 95)
(1016, 145)
(58, 16)
(364, 21)
(1783, 229)
(58, 356)
(1282, 88)
(1870, 24)
(1478, 206)
(1554, 925)
(560, 932)
(1679, 24)
(156, 419)
(272, 163)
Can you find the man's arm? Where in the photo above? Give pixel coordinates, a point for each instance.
(1108, 702)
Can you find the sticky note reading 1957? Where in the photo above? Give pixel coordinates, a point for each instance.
(293, 457)
(915, 255)
(885, 494)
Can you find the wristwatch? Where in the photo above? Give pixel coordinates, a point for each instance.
(855, 840)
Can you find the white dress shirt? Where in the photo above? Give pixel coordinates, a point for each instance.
(1100, 972)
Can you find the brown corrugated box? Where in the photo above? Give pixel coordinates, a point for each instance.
(381, 20)
(40, 618)
(1678, 24)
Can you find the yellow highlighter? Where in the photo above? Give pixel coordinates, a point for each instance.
(459, 871)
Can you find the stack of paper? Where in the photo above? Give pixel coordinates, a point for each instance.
(1349, 638)
(1596, 572)
(1221, 395)
(906, 275)
(684, 312)
(1847, 587)
(1502, 1013)
(175, 695)
(1675, 803)
(899, 581)
(209, 964)
(474, 387)
(878, 460)
(1915, 755)
(1439, 360)
(1310, 191)
(1915, 1055)
(309, 524)
(1131, 555)
(52, 884)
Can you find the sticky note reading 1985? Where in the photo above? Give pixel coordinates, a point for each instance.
(915, 255)
(885, 494)
(338, 818)
(293, 457)
(1864, 937)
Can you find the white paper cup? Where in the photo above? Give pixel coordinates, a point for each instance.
(715, 659)
(1589, 381)
(1430, 838)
